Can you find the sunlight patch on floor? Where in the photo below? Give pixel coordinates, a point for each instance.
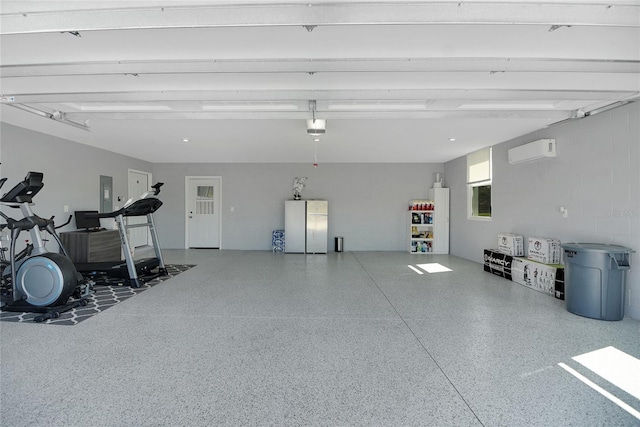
(415, 269)
(615, 366)
(434, 267)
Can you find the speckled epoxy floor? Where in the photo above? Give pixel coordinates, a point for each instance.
(257, 338)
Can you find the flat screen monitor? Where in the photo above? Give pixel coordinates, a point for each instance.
(82, 222)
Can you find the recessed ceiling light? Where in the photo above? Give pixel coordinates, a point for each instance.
(185, 139)
(452, 139)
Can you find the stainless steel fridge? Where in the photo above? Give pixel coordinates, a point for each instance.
(317, 222)
(305, 226)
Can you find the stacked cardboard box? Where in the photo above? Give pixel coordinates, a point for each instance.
(544, 250)
(546, 278)
(498, 263)
(511, 244)
(540, 270)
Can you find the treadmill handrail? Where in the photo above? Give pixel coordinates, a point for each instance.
(140, 207)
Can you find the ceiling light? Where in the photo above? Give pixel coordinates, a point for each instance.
(316, 127)
(119, 107)
(250, 106)
(378, 106)
(451, 139)
(185, 139)
(543, 105)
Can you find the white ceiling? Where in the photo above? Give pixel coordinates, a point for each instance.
(394, 79)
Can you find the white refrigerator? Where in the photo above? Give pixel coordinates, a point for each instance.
(305, 226)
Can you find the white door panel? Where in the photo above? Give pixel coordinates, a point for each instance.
(203, 212)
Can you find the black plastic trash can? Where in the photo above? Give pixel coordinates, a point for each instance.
(339, 244)
(594, 280)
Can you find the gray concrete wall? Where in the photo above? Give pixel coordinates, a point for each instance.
(596, 176)
(367, 202)
(71, 173)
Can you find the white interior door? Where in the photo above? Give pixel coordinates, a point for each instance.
(138, 185)
(203, 212)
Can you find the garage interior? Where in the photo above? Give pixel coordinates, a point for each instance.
(407, 91)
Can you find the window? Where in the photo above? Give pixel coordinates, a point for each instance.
(204, 200)
(479, 170)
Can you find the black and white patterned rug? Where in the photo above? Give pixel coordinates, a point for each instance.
(103, 297)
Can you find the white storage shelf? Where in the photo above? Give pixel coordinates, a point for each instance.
(429, 228)
(421, 231)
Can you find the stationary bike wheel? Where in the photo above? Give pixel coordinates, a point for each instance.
(47, 280)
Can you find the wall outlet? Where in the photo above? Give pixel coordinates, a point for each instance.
(66, 208)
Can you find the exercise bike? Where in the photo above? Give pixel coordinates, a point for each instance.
(36, 280)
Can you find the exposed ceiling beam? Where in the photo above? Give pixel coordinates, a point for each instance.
(227, 115)
(350, 94)
(322, 65)
(553, 14)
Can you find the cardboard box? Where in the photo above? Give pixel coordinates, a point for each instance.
(511, 244)
(545, 278)
(497, 263)
(544, 250)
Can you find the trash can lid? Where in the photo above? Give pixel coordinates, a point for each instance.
(595, 247)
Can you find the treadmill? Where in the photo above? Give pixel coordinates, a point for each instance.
(135, 272)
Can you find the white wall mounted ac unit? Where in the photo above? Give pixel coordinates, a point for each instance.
(532, 151)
